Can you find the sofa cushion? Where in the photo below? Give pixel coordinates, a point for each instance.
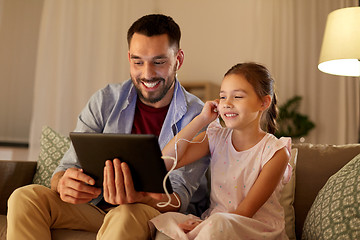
(315, 164)
(3, 226)
(335, 213)
(14, 174)
(52, 148)
(287, 198)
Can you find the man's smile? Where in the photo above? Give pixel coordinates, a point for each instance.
(150, 84)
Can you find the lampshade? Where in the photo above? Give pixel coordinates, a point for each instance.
(340, 51)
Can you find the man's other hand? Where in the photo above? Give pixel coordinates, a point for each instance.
(75, 187)
(119, 186)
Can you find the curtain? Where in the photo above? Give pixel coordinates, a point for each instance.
(82, 47)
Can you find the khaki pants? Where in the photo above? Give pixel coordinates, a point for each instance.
(34, 210)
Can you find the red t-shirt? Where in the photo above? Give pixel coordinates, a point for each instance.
(148, 120)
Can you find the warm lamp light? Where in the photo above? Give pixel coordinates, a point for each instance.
(340, 51)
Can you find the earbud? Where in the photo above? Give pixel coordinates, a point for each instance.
(177, 65)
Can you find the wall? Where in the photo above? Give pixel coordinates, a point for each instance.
(212, 36)
(19, 27)
(13, 153)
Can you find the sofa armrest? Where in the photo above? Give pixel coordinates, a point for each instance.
(14, 174)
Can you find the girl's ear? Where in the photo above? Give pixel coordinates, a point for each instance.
(266, 101)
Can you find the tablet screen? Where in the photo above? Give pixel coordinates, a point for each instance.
(140, 151)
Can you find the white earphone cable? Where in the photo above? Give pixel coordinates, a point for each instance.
(175, 159)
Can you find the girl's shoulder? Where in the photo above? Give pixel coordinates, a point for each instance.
(273, 144)
(215, 128)
(216, 133)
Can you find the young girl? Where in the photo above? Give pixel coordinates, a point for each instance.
(249, 165)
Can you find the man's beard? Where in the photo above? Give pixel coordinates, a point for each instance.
(156, 97)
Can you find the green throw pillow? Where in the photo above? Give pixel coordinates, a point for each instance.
(335, 213)
(52, 148)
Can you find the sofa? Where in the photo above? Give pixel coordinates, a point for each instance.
(313, 165)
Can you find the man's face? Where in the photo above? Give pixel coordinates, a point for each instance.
(153, 68)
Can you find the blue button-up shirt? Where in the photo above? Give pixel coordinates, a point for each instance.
(112, 110)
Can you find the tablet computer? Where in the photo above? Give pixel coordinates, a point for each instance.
(140, 151)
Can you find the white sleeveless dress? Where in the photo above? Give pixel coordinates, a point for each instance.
(232, 175)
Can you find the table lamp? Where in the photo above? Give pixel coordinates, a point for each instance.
(340, 51)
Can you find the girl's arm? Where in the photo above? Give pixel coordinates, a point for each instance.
(265, 184)
(189, 152)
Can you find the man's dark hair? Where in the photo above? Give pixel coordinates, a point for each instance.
(156, 24)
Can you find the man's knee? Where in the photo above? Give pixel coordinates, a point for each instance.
(134, 211)
(128, 221)
(26, 195)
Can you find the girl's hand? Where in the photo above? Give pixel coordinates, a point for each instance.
(189, 224)
(210, 112)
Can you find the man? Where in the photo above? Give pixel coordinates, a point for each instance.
(153, 101)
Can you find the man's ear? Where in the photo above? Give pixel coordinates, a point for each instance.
(266, 101)
(129, 56)
(179, 59)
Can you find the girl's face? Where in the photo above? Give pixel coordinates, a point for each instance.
(239, 106)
